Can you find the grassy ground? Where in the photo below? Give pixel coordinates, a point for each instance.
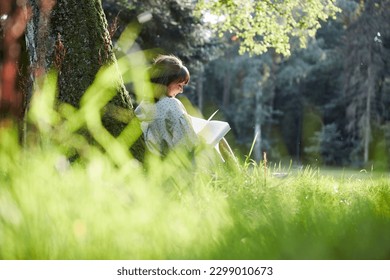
(97, 209)
(309, 215)
(105, 205)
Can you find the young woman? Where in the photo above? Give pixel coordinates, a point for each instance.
(165, 122)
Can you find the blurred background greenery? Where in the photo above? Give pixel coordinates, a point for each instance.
(70, 187)
(324, 104)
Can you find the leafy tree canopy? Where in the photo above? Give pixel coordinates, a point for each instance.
(265, 24)
(165, 25)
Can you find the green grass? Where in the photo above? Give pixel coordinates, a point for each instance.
(106, 205)
(96, 210)
(310, 216)
(173, 209)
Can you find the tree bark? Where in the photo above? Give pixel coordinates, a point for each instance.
(72, 37)
(199, 88)
(367, 127)
(258, 123)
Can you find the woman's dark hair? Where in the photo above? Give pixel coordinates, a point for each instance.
(167, 69)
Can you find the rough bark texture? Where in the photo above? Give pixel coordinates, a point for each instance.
(72, 36)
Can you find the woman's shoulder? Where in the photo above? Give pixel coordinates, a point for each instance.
(170, 103)
(168, 100)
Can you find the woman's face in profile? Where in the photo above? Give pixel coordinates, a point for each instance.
(175, 88)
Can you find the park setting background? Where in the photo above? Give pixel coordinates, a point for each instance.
(310, 126)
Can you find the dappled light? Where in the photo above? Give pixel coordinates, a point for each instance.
(309, 128)
(105, 205)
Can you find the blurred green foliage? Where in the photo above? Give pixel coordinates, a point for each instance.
(102, 204)
(106, 205)
(261, 25)
(70, 190)
(314, 102)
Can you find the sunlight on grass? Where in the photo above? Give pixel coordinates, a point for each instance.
(93, 209)
(73, 191)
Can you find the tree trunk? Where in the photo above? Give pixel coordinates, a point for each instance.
(364, 70)
(226, 89)
(71, 36)
(258, 122)
(199, 88)
(367, 127)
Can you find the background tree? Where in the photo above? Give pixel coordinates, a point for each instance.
(261, 25)
(249, 84)
(169, 27)
(278, 28)
(302, 97)
(306, 96)
(366, 63)
(326, 146)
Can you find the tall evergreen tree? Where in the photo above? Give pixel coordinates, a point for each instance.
(365, 63)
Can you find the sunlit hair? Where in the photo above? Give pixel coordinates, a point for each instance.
(167, 69)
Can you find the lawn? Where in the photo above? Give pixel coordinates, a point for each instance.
(175, 209)
(104, 204)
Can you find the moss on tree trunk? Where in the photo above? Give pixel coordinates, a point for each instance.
(72, 36)
(81, 28)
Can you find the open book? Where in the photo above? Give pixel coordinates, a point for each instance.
(211, 131)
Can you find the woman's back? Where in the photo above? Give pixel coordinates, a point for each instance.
(166, 125)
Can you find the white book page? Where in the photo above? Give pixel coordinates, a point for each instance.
(211, 131)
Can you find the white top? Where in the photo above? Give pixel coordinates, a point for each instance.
(166, 125)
